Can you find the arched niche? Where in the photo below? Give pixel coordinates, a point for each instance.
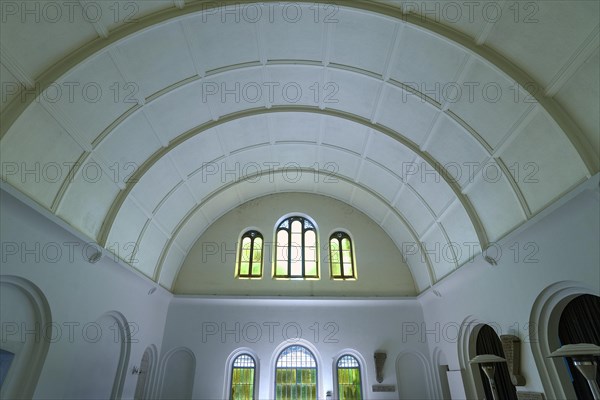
(99, 366)
(414, 376)
(440, 365)
(147, 369)
(177, 374)
(24, 316)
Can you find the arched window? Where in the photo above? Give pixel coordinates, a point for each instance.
(340, 256)
(243, 377)
(488, 342)
(296, 374)
(296, 250)
(579, 324)
(250, 257)
(348, 378)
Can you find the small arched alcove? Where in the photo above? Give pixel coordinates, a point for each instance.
(25, 317)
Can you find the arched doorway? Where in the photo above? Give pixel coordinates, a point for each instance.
(488, 342)
(580, 323)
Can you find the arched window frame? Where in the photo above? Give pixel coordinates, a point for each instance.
(336, 368)
(316, 367)
(339, 236)
(307, 225)
(252, 234)
(229, 371)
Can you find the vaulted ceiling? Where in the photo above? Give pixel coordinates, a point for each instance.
(149, 120)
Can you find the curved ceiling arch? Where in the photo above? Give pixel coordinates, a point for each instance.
(493, 58)
(141, 171)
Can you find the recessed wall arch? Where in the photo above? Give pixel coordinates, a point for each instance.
(29, 356)
(229, 364)
(147, 376)
(296, 342)
(177, 373)
(364, 375)
(543, 322)
(426, 374)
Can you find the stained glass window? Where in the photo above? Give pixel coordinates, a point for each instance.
(250, 257)
(296, 249)
(296, 374)
(242, 378)
(340, 256)
(348, 378)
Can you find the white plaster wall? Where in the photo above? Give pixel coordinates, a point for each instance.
(559, 246)
(78, 293)
(214, 328)
(209, 266)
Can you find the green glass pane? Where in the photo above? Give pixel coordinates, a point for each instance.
(244, 268)
(256, 269)
(346, 244)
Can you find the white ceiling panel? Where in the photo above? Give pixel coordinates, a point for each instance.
(39, 34)
(519, 29)
(455, 149)
(158, 58)
(430, 185)
(575, 97)
(441, 253)
(543, 161)
(371, 43)
(150, 247)
(379, 180)
(495, 203)
(408, 114)
(208, 33)
(356, 94)
(414, 210)
(170, 267)
(246, 132)
(461, 233)
(126, 230)
(425, 62)
(88, 198)
(235, 90)
(292, 33)
(203, 148)
(147, 192)
(37, 143)
(174, 208)
(294, 127)
(191, 230)
(128, 146)
(390, 153)
(370, 205)
(9, 87)
(93, 95)
(343, 133)
(489, 102)
(181, 110)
